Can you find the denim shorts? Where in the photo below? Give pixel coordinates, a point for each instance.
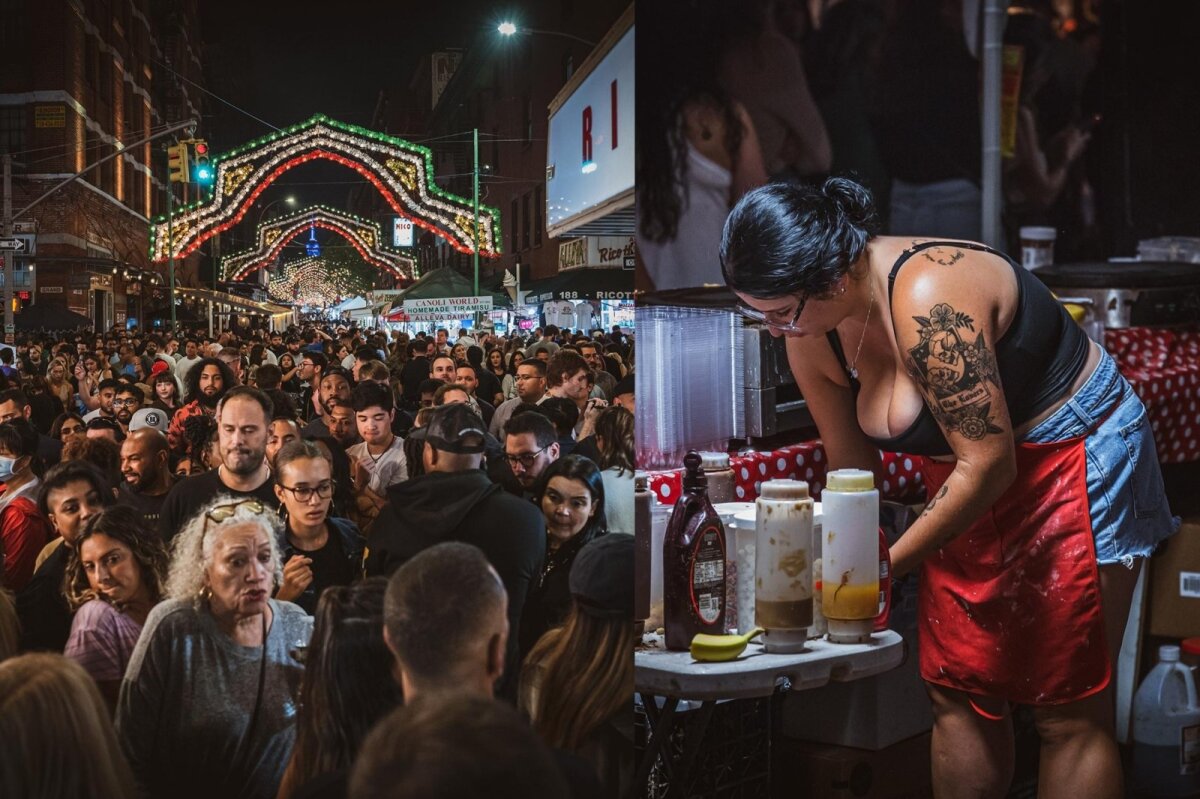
(1128, 503)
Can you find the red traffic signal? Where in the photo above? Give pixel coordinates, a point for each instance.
(201, 148)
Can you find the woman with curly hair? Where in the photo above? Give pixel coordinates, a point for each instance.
(115, 575)
(348, 685)
(219, 643)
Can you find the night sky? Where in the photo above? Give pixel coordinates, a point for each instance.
(284, 62)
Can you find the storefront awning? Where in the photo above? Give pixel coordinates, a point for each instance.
(582, 284)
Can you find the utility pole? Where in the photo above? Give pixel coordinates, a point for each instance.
(9, 326)
(6, 223)
(171, 250)
(475, 190)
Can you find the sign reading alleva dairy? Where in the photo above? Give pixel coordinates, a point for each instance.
(434, 309)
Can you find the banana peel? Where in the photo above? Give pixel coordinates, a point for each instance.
(717, 648)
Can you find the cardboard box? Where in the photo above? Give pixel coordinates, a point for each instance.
(1175, 585)
(816, 771)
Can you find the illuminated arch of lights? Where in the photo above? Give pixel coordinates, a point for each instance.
(318, 281)
(275, 234)
(402, 172)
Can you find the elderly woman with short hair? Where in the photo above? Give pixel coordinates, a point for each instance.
(208, 704)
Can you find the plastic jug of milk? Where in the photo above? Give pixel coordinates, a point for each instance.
(1166, 729)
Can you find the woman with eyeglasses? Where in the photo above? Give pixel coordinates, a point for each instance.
(319, 550)
(571, 497)
(221, 650)
(1044, 487)
(68, 426)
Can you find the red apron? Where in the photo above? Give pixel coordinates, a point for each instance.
(1011, 608)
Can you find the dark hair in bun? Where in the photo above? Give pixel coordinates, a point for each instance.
(788, 237)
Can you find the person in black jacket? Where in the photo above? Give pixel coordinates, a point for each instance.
(71, 494)
(571, 496)
(455, 501)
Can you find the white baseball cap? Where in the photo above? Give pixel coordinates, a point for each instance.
(149, 417)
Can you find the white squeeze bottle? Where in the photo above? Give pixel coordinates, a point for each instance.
(1166, 729)
(850, 555)
(783, 558)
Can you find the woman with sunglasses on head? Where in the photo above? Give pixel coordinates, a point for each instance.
(219, 647)
(1044, 485)
(115, 575)
(319, 550)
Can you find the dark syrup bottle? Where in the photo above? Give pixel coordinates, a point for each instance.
(693, 563)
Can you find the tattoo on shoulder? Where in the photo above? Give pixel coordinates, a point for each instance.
(942, 256)
(954, 372)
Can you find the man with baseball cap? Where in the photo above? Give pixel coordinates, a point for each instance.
(455, 501)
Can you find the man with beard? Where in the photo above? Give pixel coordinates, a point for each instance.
(243, 421)
(127, 402)
(335, 384)
(147, 473)
(106, 394)
(531, 388)
(311, 368)
(206, 383)
(443, 368)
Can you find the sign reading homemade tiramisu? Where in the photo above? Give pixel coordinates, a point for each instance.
(437, 308)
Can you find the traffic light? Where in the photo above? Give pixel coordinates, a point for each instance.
(202, 169)
(177, 163)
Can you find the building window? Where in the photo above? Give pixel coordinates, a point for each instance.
(568, 66)
(525, 222)
(91, 60)
(514, 226)
(12, 129)
(537, 216)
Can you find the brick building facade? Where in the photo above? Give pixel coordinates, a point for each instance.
(80, 79)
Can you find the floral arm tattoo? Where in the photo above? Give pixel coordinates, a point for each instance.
(954, 372)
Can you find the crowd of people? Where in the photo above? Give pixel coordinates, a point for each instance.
(317, 563)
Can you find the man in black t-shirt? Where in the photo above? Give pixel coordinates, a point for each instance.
(147, 471)
(243, 420)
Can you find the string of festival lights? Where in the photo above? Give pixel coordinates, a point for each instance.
(321, 281)
(401, 172)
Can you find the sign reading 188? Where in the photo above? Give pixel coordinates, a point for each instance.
(587, 124)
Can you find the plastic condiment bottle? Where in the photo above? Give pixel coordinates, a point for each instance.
(783, 549)
(720, 477)
(1166, 729)
(643, 503)
(693, 563)
(850, 556)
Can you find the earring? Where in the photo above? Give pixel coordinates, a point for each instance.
(206, 593)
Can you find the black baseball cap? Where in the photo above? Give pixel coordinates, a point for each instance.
(624, 385)
(455, 428)
(602, 577)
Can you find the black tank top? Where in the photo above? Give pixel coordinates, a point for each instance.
(1039, 357)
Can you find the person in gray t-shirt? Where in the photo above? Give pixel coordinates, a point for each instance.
(208, 703)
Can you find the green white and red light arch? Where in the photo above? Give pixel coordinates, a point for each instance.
(272, 236)
(402, 172)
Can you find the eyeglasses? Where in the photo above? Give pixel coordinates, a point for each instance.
(525, 459)
(125, 403)
(225, 512)
(305, 494)
(71, 431)
(755, 315)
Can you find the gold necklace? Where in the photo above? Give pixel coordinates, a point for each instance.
(858, 352)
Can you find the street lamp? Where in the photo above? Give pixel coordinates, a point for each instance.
(508, 28)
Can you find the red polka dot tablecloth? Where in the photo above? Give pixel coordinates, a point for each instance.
(1163, 366)
(804, 461)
